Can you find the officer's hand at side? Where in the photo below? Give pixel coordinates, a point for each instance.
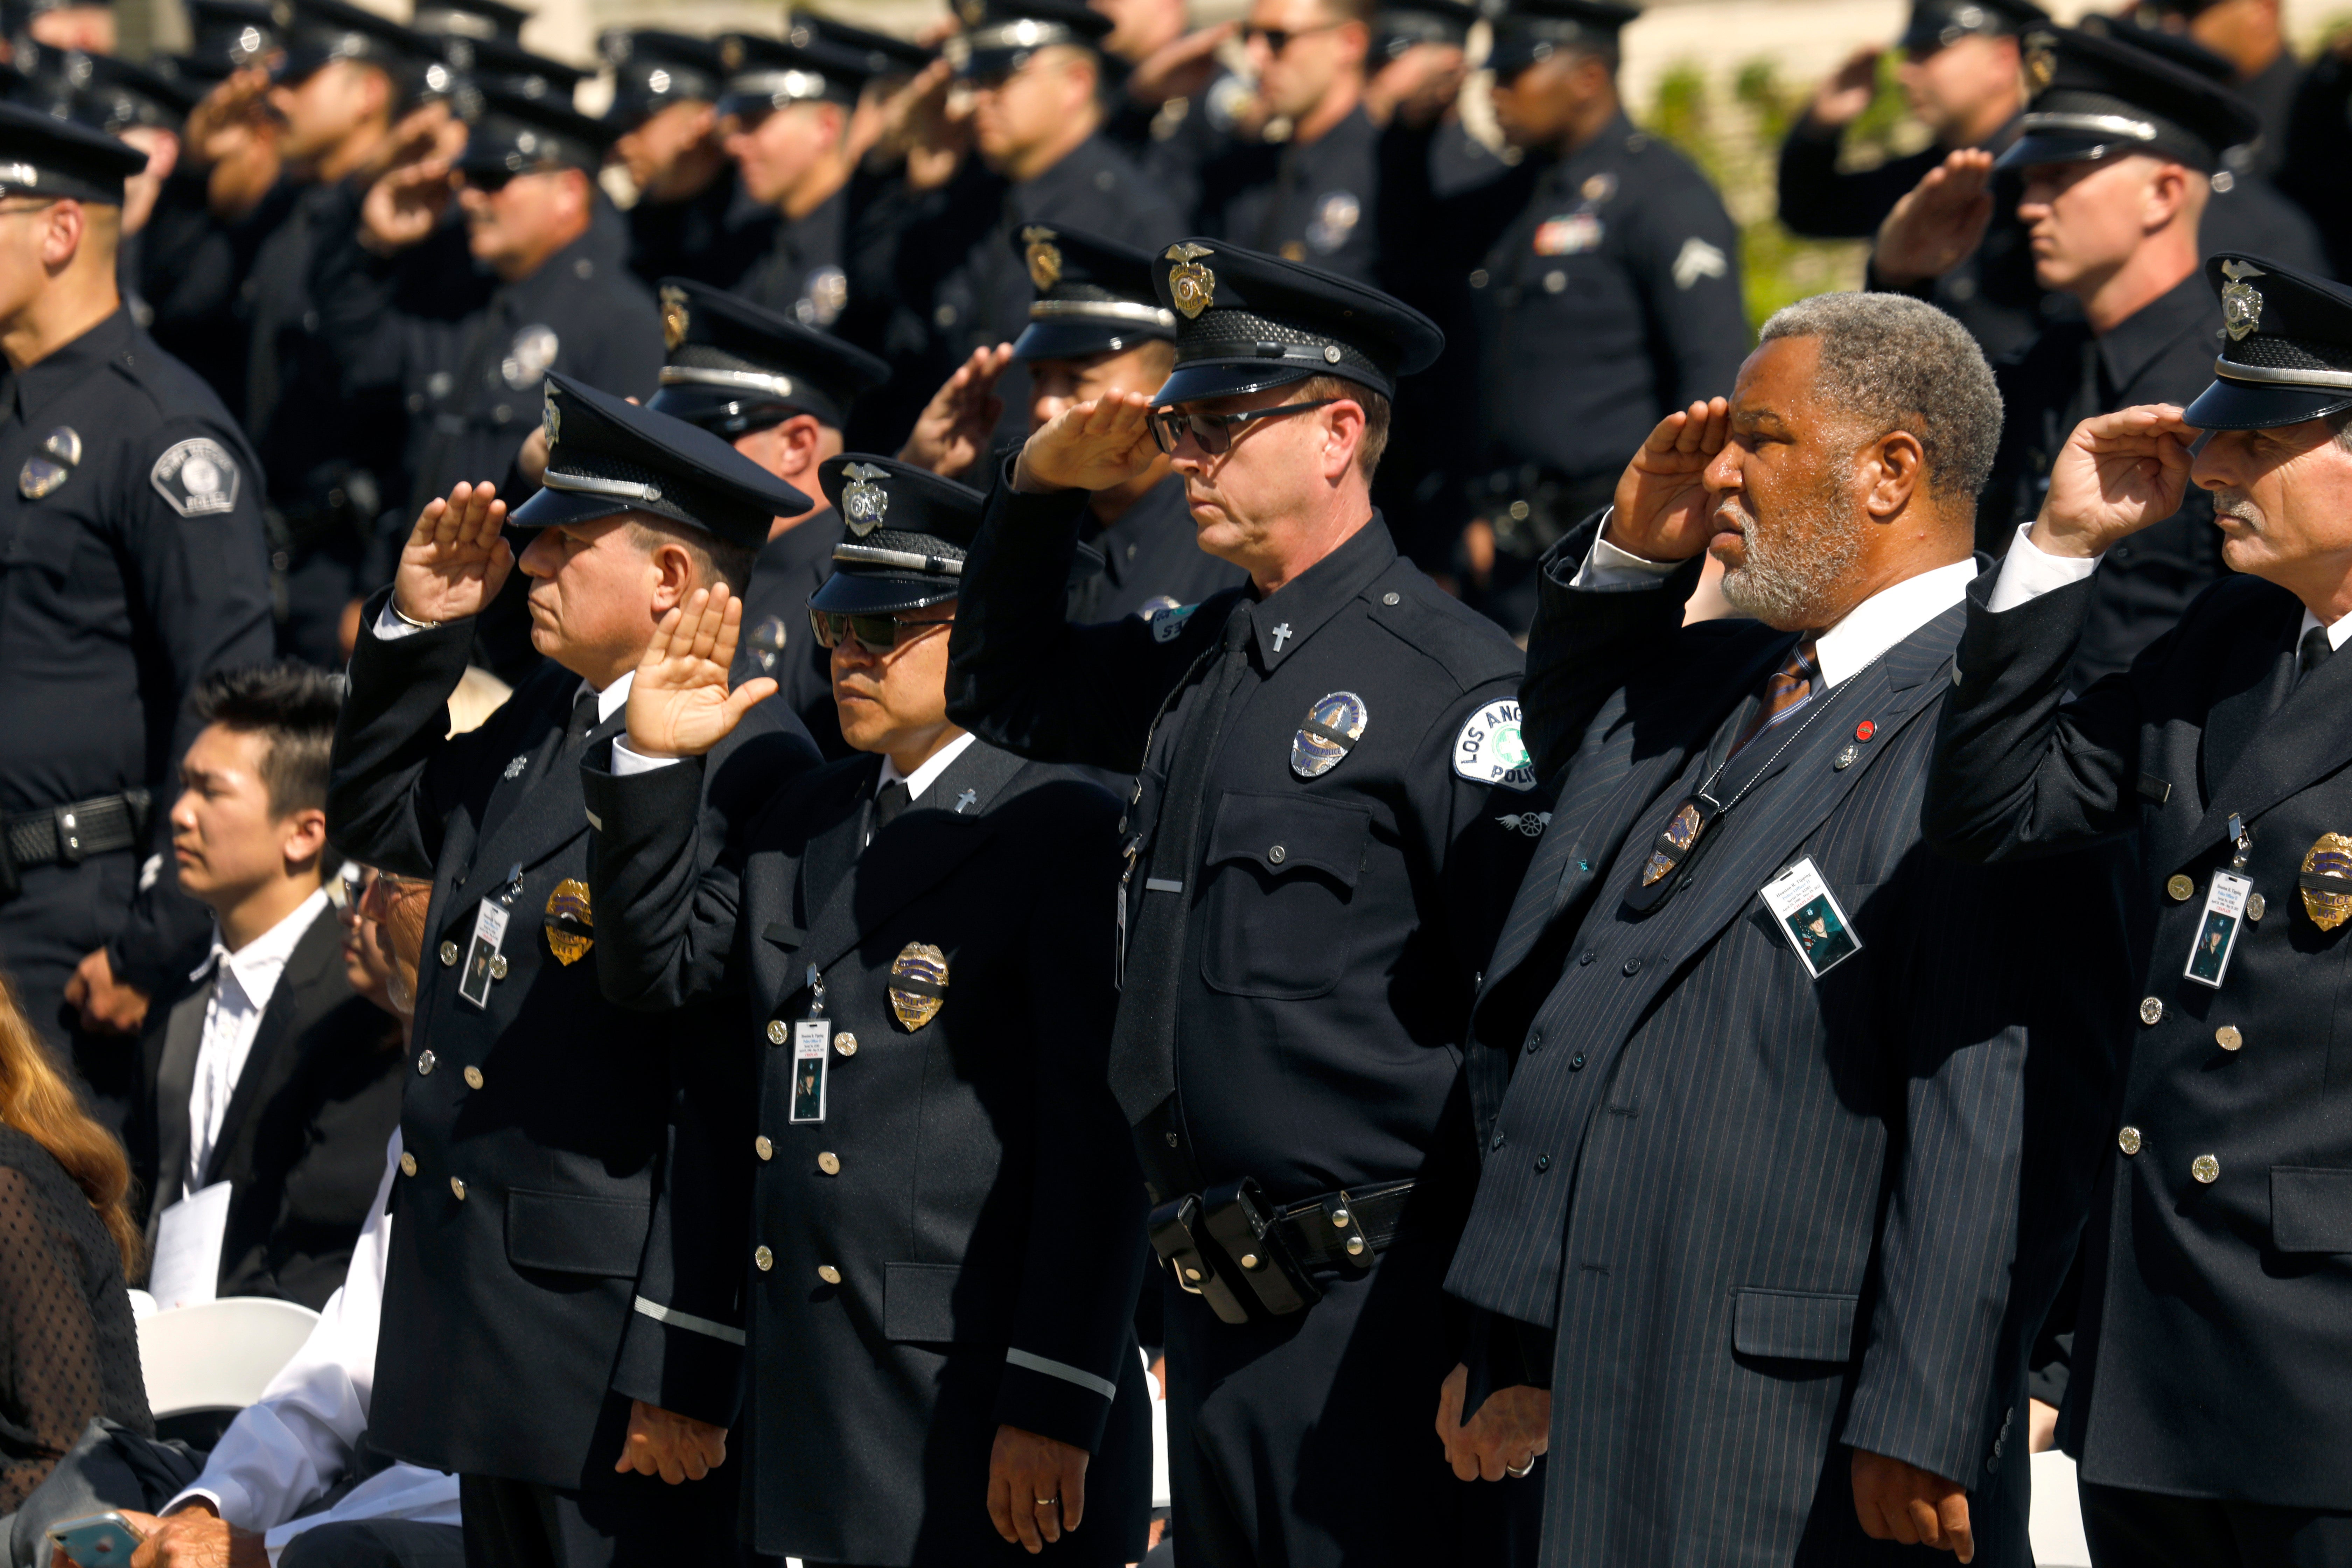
(1897, 1501)
(675, 1447)
(1841, 100)
(1508, 1431)
(1036, 1487)
(1662, 509)
(194, 1537)
(1938, 222)
(108, 1006)
(456, 559)
(2117, 474)
(951, 433)
(678, 704)
(1089, 446)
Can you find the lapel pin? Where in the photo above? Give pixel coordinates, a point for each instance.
(1864, 731)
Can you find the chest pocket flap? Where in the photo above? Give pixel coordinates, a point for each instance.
(1281, 870)
(1291, 835)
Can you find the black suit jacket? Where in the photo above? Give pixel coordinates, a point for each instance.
(302, 1141)
(972, 1189)
(536, 1130)
(2216, 1322)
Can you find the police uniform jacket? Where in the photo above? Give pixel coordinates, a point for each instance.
(132, 566)
(2217, 1298)
(777, 640)
(1768, 1214)
(958, 1244)
(716, 236)
(801, 274)
(1152, 560)
(535, 1132)
(1304, 201)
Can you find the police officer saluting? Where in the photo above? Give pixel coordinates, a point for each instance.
(135, 565)
(1316, 752)
(2206, 1403)
(692, 217)
(533, 1341)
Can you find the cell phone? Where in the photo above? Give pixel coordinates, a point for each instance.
(100, 1541)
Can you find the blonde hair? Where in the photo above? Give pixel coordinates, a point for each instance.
(36, 1100)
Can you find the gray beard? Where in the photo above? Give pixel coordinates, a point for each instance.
(1785, 584)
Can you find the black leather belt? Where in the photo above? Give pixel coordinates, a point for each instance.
(69, 835)
(1230, 1240)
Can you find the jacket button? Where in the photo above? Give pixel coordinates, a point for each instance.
(1587, 956)
(1535, 1040)
(1575, 1062)
(2206, 1169)
(408, 1164)
(473, 1077)
(777, 1033)
(828, 1273)
(499, 966)
(1543, 1164)
(458, 1188)
(2180, 887)
(1391, 600)
(2256, 907)
(846, 1044)
(2151, 1010)
(829, 1163)
(1278, 855)
(761, 1146)
(2228, 1038)
(425, 1064)
(1498, 1141)
(1630, 967)
(2128, 1140)
(448, 956)
(763, 1259)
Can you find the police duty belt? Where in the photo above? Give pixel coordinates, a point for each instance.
(1232, 1238)
(69, 835)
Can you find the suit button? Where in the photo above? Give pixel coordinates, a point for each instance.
(1543, 1164)
(1632, 966)
(499, 966)
(828, 1273)
(424, 1064)
(846, 1044)
(408, 1164)
(765, 1149)
(1535, 1040)
(1587, 956)
(777, 1033)
(2151, 1010)
(829, 1163)
(1278, 855)
(448, 956)
(458, 1188)
(2128, 1140)
(2180, 887)
(1498, 1141)
(2228, 1038)
(473, 1077)
(1575, 1062)
(2206, 1169)
(764, 1258)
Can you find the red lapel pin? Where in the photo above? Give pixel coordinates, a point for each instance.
(1864, 731)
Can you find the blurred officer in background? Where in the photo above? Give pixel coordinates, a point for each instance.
(137, 567)
(85, 24)
(692, 217)
(785, 114)
(2251, 36)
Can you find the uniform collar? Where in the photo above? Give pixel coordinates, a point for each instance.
(1074, 173)
(65, 366)
(613, 698)
(2140, 338)
(575, 264)
(1303, 603)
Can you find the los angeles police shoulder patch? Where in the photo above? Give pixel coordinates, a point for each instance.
(1488, 750)
(197, 476)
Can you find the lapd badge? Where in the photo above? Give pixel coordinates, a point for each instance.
(1334, 724)
(1673, 844)
(1489, 749)
(1044, 256)
(2241, 303)
(551, 420)
(569, 922)
(826, 293)
(39, 477)
(674, 316)
(1192, 286)
(197, 476)
(918, 984)
(2041, 63)
(529, 356)
(2327, 866)
(1598, 188)
(1336, 215)
(63, 444)
(864, 503)
(766, 641)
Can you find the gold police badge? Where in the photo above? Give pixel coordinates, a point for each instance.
(2241, 303)
(2041, 63)
(2329, 861)
(1192, 286)
(918, 984)
(675, 318)
(1044, 256)
(972, 11)
(569, 922)
(552, 419)
(864, 503)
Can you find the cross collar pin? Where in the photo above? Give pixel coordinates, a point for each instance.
(965, 799)
(1281, 635)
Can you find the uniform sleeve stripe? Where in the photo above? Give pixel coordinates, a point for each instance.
(674, 1318)
(1064, 1371)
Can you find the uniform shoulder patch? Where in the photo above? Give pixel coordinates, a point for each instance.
(1168, 624)
(197, 476)
(1488, 750)
(1699, 259)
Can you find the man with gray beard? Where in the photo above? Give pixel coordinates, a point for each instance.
(1801, 1146)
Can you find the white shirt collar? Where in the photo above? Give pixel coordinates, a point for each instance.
(610, 700)
(922, 778)
(257, 964)
(2339, 629)
(1889, 615)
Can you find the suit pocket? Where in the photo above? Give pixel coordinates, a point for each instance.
(1793, 1325)
(1281, 870)
(919, 1305)
(2311, 1209)
(573, 1233)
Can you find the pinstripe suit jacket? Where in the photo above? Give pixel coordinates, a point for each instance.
(1766, 1214)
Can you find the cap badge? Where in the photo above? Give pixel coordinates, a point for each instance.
(1192, 286)
(569, 922)
(973, 12)
(864, 503)
(2241, 303)
(731, 53)
(553, 420)
(1044, 257)
(1334, 724)
(918, 984)
(674, 316)
(2329, 862)
(2040, 64)
(39, 477)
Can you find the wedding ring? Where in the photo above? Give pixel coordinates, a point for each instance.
(1517, 1472)
(1048, 1501)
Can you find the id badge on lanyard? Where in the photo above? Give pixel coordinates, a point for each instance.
(2223, 917)
(811, 1044)
(484, 961)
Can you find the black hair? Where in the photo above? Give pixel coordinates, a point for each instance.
(290, 706)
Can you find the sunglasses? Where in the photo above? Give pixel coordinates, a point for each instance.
(489, 182)
(1214, 432)
(875, 634)
(1278, 38)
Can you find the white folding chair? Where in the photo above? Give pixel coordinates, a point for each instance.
(220, 1355)
(2055, 1526)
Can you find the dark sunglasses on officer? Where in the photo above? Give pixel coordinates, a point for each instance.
(1279, 38)
(1214, 432)
(877, 634)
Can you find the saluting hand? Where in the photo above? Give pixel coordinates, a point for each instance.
(1036, 1487)
(2117, 474)
(678, 704)
(456, 560)
(404, 205)
(1664, 511)
(1089, 446)
(675, 1447)
(1939, 221)
(951, 433)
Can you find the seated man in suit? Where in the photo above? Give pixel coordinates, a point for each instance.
(265, 1075)
(943, 1203)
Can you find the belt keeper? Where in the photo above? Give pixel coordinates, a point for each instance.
(1347, 1233)
(137, 802)
(70, 830)
(1246, 1226)
(1175, 1229)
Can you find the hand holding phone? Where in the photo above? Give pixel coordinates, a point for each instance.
(99, 1541)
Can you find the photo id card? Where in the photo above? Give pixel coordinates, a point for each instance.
(810, 1038)
(490, 931)
(1808, 915)
(2217, 932)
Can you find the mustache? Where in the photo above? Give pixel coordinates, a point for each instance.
(2237, 504)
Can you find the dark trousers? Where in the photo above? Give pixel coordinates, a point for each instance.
(2130, 1528)
(376, 1543)
(639, 1521)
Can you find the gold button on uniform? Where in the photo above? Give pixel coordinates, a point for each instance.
(829, 1163)
(2206, 1169)
(846, 1044)
(764, 1258)
(408, 1164)
(2228, 1038)
(448, 956)
(828, 1273)
(2256, 907)
(473, 1077)
(2128, 1140)
(2180, 887)
(765, 1149)
(457, 1187)
(2151, 1010)
(777, 1033)
(425, 1064)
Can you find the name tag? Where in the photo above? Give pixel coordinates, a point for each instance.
(811, 1037)
(482, 952)
(1809, 916)
(2217, 933)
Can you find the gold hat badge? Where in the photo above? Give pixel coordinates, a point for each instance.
(675, 318)
(569, 922)
(2241, 303)
(1192, 286)
(918, 984)
(2329, 861)
(1044, 256)
(552, 421)
(2041, 63)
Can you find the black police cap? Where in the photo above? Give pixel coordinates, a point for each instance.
(653, 69)
(906, 531)
(765, 74)
(606, 455)
(883, 55)
(735, 366)
(2095, 97)
(1396, 29)
(999, 35)
(1094, 296)
(41, 155)
(469, 20)
(1938, 24)
(508, 67)
(1531, 31)
(2287, 346)
(235, 33)
(322, 31)
(1246, 321)
(112, 94)
(514, 134)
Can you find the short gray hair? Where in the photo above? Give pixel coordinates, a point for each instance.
(1899, 363)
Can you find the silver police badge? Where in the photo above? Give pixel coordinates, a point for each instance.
(766, 642)
(1334, 724)
(63, 444)
(2241, 303)
(39, 477)
(918, 984)
(529, 357)
(864, 503)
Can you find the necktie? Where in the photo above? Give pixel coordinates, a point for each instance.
(584, 718)
(889, 802)
(1785, 695)
(1143, 1036)
(2316, 651)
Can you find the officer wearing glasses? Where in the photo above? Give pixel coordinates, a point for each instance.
(939, 1217)
(1329, 758)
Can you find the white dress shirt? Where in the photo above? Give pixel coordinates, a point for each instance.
(922, 778)
(390, 627)
(246, 979)
(2028, 572)
(285, 1450)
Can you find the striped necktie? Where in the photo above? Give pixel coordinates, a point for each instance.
(1785, 695)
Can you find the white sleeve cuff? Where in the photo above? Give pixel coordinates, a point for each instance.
(2028, 572)
(627, 764)
(211, 1494)
(1608, 570)
(390, 627)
